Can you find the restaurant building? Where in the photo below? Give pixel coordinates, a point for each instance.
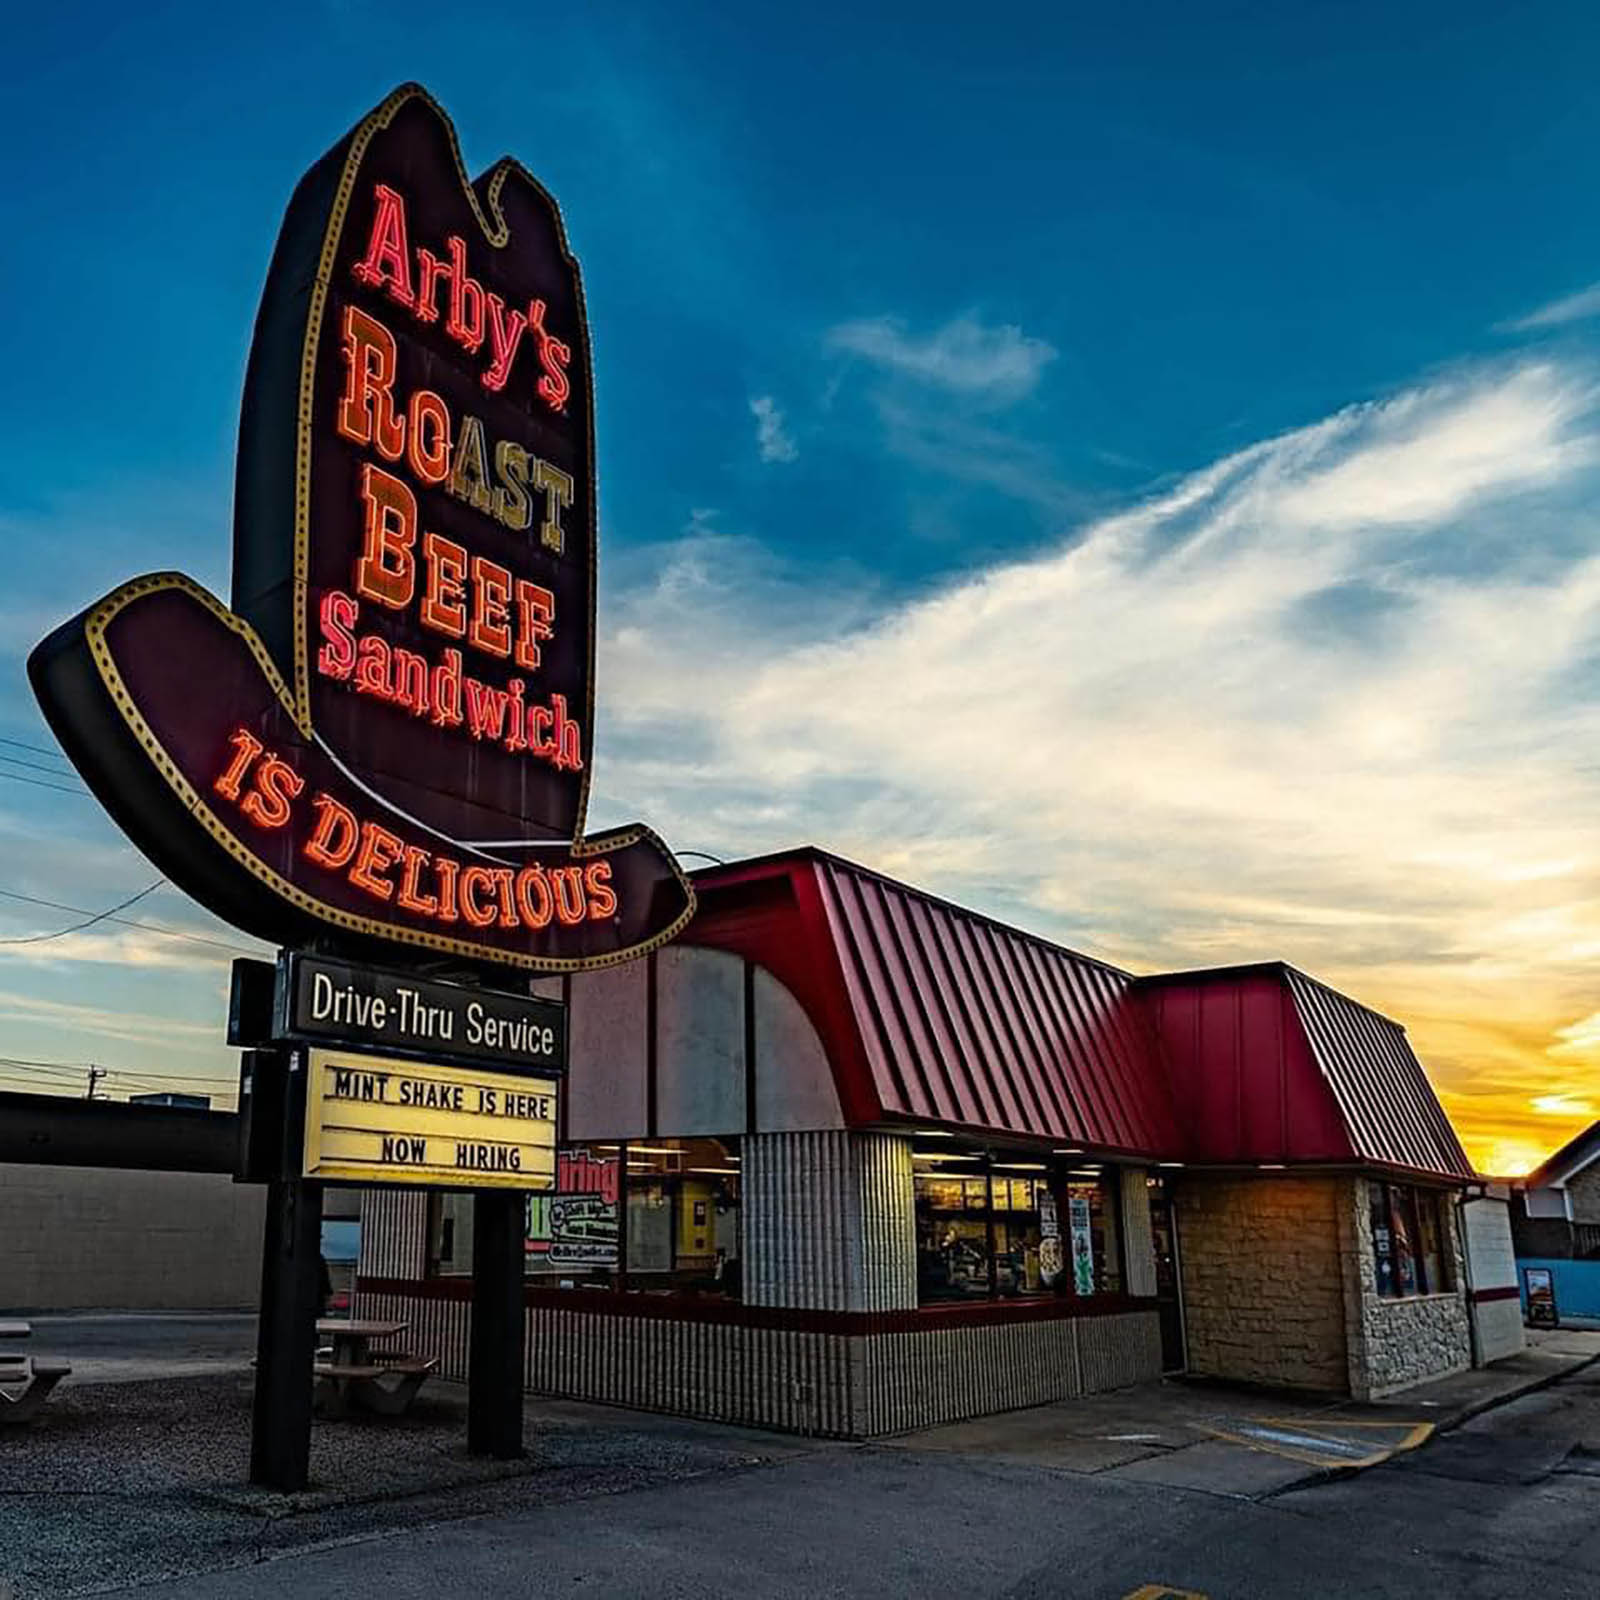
(848, 1159)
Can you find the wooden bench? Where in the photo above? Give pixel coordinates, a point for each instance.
(387, 1387)
(25, 1385)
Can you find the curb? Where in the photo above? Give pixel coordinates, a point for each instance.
(1335, 1473)
(1532, 1386)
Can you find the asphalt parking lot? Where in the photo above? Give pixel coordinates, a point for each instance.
(136, 1487)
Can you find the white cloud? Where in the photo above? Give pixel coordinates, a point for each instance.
(1325, 700)
(772, 438)
(1557, 313)
(997, 363)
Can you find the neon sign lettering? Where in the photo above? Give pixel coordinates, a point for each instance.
(387, 733)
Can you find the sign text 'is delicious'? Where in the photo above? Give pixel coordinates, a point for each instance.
(390, 732)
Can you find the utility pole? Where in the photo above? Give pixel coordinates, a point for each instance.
(95, 1075)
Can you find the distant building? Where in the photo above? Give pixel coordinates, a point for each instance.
(188, 1102)
(1555, 1221)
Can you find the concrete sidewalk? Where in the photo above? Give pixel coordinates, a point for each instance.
(1246, 1443)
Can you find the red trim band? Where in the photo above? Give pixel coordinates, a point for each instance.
(694, 1308)
(1483, 1296)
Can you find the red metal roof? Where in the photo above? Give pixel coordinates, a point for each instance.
(932, 1013)
(1268, 1065)
(1389, 1107)
(937, 1014)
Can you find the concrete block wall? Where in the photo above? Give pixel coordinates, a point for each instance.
(75, 1238)
(1263, 1282)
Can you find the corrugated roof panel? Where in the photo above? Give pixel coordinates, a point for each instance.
(1389, 1107)
(967, 1021)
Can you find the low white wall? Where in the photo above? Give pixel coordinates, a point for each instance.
(72, 1238)
(1492, 1265)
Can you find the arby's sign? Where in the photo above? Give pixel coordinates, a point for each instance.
(388, 733)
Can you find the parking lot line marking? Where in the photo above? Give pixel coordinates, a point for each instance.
(1313, 1443)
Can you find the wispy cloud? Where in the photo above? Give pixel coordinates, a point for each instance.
(998, 363)
(1557, 313)
(1331, 699)
(773, 439)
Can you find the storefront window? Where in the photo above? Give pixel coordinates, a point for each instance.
(670, 1205)
(1408, 1234)
(682, 1223)
(1007, 1227)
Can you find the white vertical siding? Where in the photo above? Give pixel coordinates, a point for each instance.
(394, 1234)
(828, 1222)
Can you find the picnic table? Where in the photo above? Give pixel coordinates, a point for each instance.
(25, 1381)
(349, 1371)
(351, 1339)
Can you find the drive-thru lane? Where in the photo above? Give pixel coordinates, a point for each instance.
(1507, 1505)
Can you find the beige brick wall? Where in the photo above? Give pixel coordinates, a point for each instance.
(1263, 1279)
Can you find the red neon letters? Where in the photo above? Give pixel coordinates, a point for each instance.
(470, 309)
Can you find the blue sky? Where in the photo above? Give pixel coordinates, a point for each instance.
(1221, 379)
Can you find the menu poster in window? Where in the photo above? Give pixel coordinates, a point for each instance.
(1540, 1283)
(1382, 1253)
(578, 1224)
(1050, 1260)
(1082, 1244)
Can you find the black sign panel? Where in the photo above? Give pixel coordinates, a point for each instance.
(368, 1008)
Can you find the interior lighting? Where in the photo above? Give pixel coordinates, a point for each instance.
(1020, 1166)
(1071, 1150)
(931, 1155)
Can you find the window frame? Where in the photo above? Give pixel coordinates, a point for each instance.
(1401, 1208)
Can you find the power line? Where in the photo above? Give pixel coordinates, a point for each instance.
(39, 783)
(34, 766)
(128, 922)
(37, 749)
(90, 921)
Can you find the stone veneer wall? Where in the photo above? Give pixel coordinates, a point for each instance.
(1263, 1281)
(1394, 1344)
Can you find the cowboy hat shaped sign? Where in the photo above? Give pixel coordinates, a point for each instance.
(388, 735)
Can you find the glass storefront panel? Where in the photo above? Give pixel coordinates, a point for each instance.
(671, 1206)
(1013, 1226)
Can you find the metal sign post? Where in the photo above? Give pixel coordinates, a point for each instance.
(286, 1336)
(495, 1354)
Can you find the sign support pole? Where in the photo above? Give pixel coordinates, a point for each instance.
(495, 1355)
(286, 1337)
